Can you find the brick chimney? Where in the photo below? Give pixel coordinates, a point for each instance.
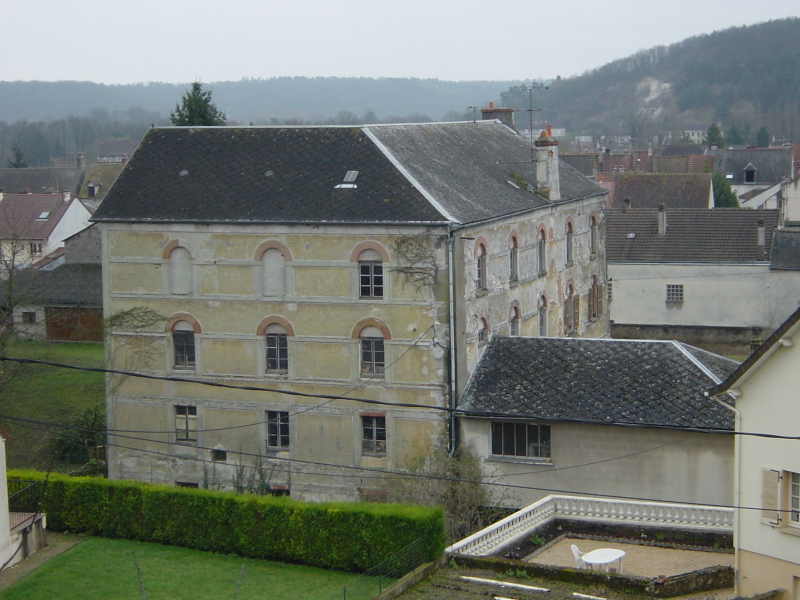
(506, 115)
(546, 156)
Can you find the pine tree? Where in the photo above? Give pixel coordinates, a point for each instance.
(724, 196)
(196, 108)
(714, 136)
(762, 138)
(19, 160)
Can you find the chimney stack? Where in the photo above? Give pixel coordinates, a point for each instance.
(762, 240)
(67, 196)
(662, 219)
(81, 161)
(546, 155)
(506, 115)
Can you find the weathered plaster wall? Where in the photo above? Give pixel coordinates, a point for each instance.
(322, 305)
(652, 464)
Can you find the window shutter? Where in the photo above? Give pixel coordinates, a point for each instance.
(770, 497)
(576, 312)
(591, 303)
(600, 294)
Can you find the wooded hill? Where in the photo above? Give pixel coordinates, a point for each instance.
(743, 76)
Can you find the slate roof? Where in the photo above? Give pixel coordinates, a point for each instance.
(74, 284)
(585, 164)
(40, 180)
(785, 251)
(433, 172)
(675, 190)
(658, 383)
(682, 149)
(19, 215)
(719, 235)
(772, 164)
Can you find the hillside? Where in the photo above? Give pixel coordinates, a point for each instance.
(743, 76)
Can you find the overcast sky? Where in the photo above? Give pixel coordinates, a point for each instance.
(115, 41)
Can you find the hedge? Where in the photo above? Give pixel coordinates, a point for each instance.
(347, 536)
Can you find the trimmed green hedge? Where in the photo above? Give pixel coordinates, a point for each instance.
(345, 536)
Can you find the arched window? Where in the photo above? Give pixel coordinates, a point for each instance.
(180, 271)
(543, 316)
(183, 348)
(513, 260)
(569, 243)
(273, 271)
(571, 311)
(541, 247)
(480, 267)
(370, 274)
(593, 237)
(277, 349)
(373, 358)
(513, 321)
(483, 331)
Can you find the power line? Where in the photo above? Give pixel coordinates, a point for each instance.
(382, 473)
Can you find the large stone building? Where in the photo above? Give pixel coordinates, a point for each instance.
(350, 275)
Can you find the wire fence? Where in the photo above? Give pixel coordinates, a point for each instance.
(374, 581)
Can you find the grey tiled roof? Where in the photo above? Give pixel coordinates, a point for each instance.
(772, 164)
(674, 190)
(726, 235)
(434, 172)
(19, 215)
(40, 180)
(73, 284)
(657, 383)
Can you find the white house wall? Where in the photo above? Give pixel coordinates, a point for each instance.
(74, 220)
(715, 295)
(652, 464)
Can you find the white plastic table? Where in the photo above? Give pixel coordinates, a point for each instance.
(604, 556)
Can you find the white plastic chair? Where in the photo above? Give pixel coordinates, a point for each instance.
(579, 564)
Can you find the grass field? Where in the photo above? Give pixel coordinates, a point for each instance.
(101, 568)
(47, 394)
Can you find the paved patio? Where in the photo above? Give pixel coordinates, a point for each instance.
(643, 561)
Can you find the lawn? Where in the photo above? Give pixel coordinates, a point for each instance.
(102, 568)
(50, 394)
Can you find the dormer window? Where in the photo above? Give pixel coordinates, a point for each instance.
(750, 173)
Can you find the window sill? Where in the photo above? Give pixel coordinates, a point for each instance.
(544, 462)
(277, 452)
(569, 264)
(593, 256)
(481, 292)
(370, 297)
(277, 374)
(542, 273)
(512, 283)
(791, 529)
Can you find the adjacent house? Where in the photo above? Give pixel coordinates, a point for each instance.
(698, 275)
(34, 225)
(767, 527)
(650, 190)
(602, 417)
(756, 174)
(351, 275)
(41, 180)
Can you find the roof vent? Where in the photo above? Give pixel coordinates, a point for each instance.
(183, 173)
(269, 173)
(631, 236)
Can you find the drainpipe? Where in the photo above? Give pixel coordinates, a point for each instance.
(451, 287)
(737, 492)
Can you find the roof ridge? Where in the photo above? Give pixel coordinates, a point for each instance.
(696, 361)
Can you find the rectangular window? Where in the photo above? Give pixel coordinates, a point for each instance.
(541, 249)
(186, 423)
(370, 279)
(480, 280)
(277, 353)
(524, 440)
(35, 248)
(187, 484)
(674, 292)
(277, 429)
(794, 498)
(29, 317)
(373, 435)
(183, 343)
(372, 356)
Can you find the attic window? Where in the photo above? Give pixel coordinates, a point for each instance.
(729, 176)
(349, 178)
(750, 173)
(43, 215)
(631, 236)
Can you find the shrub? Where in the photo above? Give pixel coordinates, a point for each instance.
(349, 536)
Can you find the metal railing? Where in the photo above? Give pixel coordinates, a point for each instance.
(23, 495)
(374, 581)
(604, 510)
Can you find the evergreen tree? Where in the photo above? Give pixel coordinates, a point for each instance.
(762, 138)
(19, 160)
(724, 196)
(735, 136)
(196, 108)
(714, 137)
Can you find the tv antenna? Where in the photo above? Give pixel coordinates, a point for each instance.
(474, 113)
